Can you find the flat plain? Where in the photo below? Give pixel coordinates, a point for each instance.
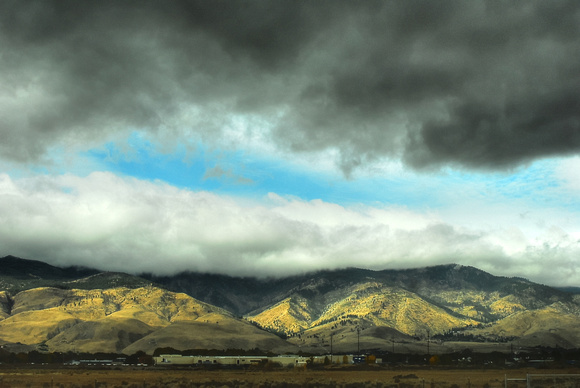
(411, 377)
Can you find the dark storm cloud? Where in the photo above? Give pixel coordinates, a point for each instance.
(473, 84)
(482, 136)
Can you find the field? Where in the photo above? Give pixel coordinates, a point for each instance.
(351, 377)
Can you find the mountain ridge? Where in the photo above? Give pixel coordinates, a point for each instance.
(17, 274)
(405, 304)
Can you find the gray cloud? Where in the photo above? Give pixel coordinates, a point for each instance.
(472, 84)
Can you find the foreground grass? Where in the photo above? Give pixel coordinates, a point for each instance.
(347, 378)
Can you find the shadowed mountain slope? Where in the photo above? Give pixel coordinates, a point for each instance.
(18, 274)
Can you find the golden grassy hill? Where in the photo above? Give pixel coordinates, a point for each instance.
(479, 304)
(392, 307)
(109, 334)
(291, 315)
(33, 327)
(348, 336)
(217, 332)
(376, 304)
(370, 308)
(156, 306)
(97, 320)
(557, 325)
(441, 301)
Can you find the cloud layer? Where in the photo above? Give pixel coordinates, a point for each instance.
(136, 226)
(274, 97)
(478, 84)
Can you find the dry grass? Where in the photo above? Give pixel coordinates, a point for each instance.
(113, 320)
(148, 377)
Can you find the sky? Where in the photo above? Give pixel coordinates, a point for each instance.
(272, 138)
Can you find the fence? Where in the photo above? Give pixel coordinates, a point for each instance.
(544, 381)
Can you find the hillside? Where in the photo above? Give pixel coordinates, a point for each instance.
(18, 274)
(88, 309)
(240, 295)
(372, 302)
(113, 319)
(557, 324)
(410, 301)
(465, 291)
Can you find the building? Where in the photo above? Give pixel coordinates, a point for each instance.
(285, 361)
(177, 359)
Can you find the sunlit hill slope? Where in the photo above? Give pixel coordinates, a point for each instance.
(115, 319)
(86, 310)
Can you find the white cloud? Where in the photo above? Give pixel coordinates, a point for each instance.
(131, 225)
(567, 171)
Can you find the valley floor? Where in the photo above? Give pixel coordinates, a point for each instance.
(351, 378)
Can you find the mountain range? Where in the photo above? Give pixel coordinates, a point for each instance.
(431, 309)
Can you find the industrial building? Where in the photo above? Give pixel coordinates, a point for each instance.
(285, 361)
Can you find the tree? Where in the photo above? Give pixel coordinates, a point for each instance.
(134, 358)
(167, 350)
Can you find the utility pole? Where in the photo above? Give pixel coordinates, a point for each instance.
(428, 342)
(358, 340)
